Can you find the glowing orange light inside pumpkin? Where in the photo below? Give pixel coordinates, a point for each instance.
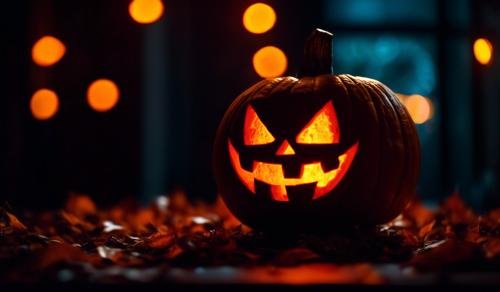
(102, 95)
(285, 149)
(483, 51)
(146, 11)
(272, 174)
(47, 51)
(322, 129)
(270, 62)
(44, 104)
(255, 132)
(259, 18)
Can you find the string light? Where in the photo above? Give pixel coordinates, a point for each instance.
(483, 51)
(259, 18)
(270, 62)
(44, 104)
(419, 107)
(146, 11)
(47, 51)
(102, 95)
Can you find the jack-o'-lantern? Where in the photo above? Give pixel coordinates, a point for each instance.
(318, 151)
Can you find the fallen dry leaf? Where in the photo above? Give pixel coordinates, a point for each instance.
(173, 236)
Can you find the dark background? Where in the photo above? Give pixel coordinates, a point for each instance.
(178, 75)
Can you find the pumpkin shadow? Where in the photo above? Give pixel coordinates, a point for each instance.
(353, 244)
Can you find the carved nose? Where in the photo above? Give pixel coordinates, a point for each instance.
(285, 149)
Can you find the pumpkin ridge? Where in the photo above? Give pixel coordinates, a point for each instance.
(338, 83)
(272, 87)
(372, 201)
(398, 194)
(412, 164)
(389, 184)
(357, 89)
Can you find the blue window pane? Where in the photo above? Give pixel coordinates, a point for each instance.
(458, 13)
(380, 12)
(460, 119)
(406, 64)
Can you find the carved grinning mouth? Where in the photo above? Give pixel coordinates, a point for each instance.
(272, 174)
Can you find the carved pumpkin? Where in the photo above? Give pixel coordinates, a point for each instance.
(316, 152)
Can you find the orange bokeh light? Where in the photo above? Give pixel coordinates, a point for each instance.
(270, 62)
(47, 51)
(146, 11)
(44, 104)
(102, 95)
(259, 18)
(419, 107)
(483, 51)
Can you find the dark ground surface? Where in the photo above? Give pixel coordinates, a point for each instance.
(184, 244)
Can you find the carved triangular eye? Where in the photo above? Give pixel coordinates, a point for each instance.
(255, 132)
(322, 129)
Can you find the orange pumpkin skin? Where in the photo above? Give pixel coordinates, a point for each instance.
(371, 151)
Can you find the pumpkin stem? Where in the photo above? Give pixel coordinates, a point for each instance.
(317, 54)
